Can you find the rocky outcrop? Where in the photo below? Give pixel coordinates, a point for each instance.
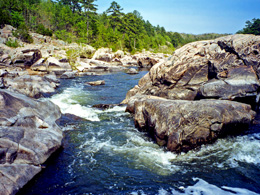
(148, 59)
(28, 136)
(96, 66)
(32, 86)
(181, 125)
(178, 117)
(103, 54)
(225, 68)
(26, 56)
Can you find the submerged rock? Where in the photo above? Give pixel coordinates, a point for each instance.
(181, 125)
(104, 106)
(28, 136)
(132, 71)
(95, 83)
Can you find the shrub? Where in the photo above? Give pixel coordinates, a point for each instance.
(44, 31)
(22, 33)
(12, 43)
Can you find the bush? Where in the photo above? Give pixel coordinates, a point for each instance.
(22, 33)
(12, 43)
(44, 31)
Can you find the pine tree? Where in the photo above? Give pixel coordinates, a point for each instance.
(115, 14)
(89, 8)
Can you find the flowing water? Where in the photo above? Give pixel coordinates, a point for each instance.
(106, 154)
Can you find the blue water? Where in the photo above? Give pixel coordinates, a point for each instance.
(106, 154)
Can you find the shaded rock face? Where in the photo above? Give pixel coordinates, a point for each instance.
(181, 125)
(25, 57)
(225, 68)
(28, 136)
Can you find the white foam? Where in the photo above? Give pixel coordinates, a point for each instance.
(68, 101)
(116, 109)
(142, 153)
(225, 153)
(203, 187)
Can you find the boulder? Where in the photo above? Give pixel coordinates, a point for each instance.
(128, 60)
(28, 136)
(32, 86)
(224, 68)
(25, 57)
(68, 75)
(182, 125)
(119, 54)
(104, 106)
(57, 66)
(103, 54)
(95, 83)
(132, 71)
(97, 66)
(39, 65)
(7, 31)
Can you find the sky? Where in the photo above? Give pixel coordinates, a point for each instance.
(192, 16)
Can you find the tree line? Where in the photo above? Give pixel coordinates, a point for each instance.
(78, 21)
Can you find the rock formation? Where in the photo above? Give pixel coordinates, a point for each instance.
(28, 136)
(181, 125)
(226, 69)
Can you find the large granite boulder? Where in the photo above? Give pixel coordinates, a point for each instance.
(28, 136)
(181, 125)
(224, 68)
(177, 114)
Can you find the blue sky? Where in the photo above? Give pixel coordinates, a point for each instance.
(192, 16)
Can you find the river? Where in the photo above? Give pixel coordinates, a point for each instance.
(106, 154)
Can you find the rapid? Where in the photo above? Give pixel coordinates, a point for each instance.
(106, 154)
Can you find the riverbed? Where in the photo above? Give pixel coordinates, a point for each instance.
(106, 154)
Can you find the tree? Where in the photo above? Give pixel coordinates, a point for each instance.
(89, 8)
(251, 27)
(74, 4)
(115, 14)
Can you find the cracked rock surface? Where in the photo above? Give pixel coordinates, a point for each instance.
(227, 68)
(28, 136)
(181, 125)
(224, 68)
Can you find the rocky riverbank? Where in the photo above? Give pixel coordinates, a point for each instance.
(28, 130)
(225, 69)
(169, 101)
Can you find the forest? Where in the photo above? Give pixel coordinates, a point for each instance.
(78, 21)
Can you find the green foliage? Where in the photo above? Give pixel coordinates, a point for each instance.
(115, 14)
(5, 17)
(12, 43)
(22, 33)
(17, 19)
(251, 27)
(77, 21)
(42, 30)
